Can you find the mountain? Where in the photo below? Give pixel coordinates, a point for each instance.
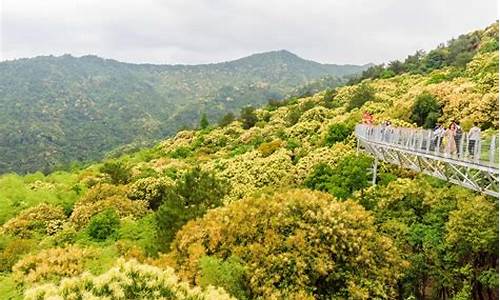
(55, 110)
(275, 205)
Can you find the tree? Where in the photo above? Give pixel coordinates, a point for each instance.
(195, 193)
(397, 67)
(117, 171)
(349, 175)
(204, 121)
(248, 117)
(435, 59)
(361, 95)
(426, 110)
(337, 132)
(298, 244)
(104, 225)
(227, 119)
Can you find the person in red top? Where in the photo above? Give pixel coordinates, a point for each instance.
(367, 118)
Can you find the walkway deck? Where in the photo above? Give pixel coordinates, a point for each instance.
(474, 165)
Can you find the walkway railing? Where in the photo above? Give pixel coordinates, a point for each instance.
(460, 160)
(484, 151)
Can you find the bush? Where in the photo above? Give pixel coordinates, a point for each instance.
(269, 148)
(228, 274)
(50, 264)
(293, 116)
(180, 152)
(141, 233)
(195, 193)
(227, 119)
(349, 175)
(12, 251)
(103, 225)
(426, 110)
(248, 117)
(150, 189)
(127, 280)
(83, 212)
(118, 173)
(337, 133)
(42, 219)
(298, 244)
(361, 95)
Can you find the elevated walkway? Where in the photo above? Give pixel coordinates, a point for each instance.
(473, 165)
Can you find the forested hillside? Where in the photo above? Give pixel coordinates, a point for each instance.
(56, 110)
(275, 204)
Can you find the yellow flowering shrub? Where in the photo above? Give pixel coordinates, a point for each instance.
(52, 263)
(247, 172)
(318, 113)
(12, 250)
(127, 280)
(150, 189)
(102, 191)
(297, 244)
(43, 218)
(124, 207)
(267, 149)
(317, 156)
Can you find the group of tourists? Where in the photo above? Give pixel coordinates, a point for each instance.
(446, 140)
(452, 138)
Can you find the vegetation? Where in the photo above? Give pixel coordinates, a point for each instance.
(426, 110)
(274, 204)
(98, 105)
(195, 193)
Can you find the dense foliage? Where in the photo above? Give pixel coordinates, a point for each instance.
(275, 203)
(128, 280)
(195, 193)
(56, 110)
(296, 245)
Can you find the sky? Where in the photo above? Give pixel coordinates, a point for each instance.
(205, 31)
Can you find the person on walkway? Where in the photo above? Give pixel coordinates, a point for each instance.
(437, 134)
(458, 136)
(367, 118)
(474, 137)
(449, 136)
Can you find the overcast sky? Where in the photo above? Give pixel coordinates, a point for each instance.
(202, 31)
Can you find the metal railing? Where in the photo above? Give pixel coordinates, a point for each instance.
(461, 147)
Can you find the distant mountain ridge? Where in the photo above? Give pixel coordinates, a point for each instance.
(58, 109)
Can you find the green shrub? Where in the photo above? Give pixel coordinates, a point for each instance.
(361, 95)
(103, 225)
(337, 133)
(228, 274)
(204, 121)
(117, 171)
(248, 117)
(349, 175)
(426, 110)
(227, 119)
(141, 232)
(195, 193)
(293, 116)
(181, 152)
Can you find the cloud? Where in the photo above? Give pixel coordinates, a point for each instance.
(201, 31)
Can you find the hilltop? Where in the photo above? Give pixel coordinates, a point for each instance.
(56, 110)
(273, 205)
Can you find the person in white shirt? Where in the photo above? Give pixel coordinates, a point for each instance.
(474, 138)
